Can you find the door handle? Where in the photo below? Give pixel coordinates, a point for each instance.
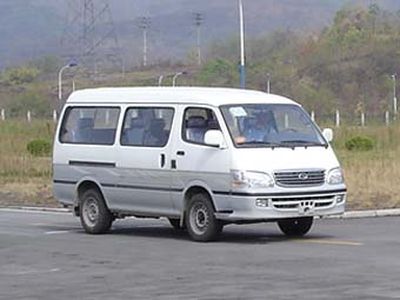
(173, 164)
(180, 153)
(162, 160)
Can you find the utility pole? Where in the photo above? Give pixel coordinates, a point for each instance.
(144, 24)
(268, 83)
(176, 77)
(394, 76)
(198, 21)
(70, 65)
(242, 68)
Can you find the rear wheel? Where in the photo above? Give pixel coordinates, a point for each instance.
(200, 221)
(295, 227)
(94, 214)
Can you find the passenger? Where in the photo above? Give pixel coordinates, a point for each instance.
(156, 136)
(83, 131)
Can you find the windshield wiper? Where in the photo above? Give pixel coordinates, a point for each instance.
(302, 143)
(261, 144)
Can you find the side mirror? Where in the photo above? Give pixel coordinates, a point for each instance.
(328, 134)
(215, 138)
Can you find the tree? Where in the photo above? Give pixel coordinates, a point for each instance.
(20, 75)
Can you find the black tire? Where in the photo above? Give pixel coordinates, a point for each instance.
(296, 227)
(94, 214)
(176, 224)
(200, 221)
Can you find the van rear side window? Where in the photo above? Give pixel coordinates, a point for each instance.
(90, 125)
(147, 126)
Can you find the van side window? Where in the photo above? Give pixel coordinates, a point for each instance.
(196, 122)
(90, 125)
(147, 126)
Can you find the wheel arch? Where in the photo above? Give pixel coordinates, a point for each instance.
(82, 186)
(195, 188)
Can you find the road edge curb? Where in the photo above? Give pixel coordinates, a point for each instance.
(36, 209)
(357, 214)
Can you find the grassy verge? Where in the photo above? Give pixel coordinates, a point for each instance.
(24, 179)
(371, 176)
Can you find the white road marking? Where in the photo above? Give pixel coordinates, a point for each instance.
(30, 272)
(57, 232)
(329, 242)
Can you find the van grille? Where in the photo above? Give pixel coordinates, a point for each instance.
(300, 178)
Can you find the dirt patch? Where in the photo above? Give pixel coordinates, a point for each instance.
(27, 195)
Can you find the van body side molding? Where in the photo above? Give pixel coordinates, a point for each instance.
(64, 181)
(92, 163)
(138, 187)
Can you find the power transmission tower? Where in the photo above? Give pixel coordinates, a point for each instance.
(89, 35)
(144, 24)
(198, 21)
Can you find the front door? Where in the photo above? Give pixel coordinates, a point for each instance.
(195, 162)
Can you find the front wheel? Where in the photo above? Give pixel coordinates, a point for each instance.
(200, 221)
(295, 227)
(94, 214)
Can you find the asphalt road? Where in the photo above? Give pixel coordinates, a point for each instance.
(48, 256)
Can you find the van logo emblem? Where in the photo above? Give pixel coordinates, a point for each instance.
(303, 176)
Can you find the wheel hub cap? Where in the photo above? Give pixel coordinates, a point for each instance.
(199, 218)
(91, 212)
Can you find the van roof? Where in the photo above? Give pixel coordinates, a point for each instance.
(191, 95)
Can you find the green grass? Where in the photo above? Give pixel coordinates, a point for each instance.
(372, 176)
(16, 164)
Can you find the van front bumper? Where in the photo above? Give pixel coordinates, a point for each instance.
(237, 207)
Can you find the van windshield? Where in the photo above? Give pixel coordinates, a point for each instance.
(271, 125)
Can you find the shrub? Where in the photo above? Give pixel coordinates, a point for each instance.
(218, 72)
(47, 64)
(39, 147)
(360, 143)
(21, 75)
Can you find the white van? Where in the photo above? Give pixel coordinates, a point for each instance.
(201, 157)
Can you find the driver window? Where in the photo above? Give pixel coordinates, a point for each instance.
(197, 121)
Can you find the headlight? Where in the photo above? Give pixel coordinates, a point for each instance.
(247, 179)
(335, 176)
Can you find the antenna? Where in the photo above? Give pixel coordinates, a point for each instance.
(198, 21)
(89, 35)
(144, 24)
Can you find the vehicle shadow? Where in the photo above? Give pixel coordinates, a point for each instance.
(161, 231)
(230, 234)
